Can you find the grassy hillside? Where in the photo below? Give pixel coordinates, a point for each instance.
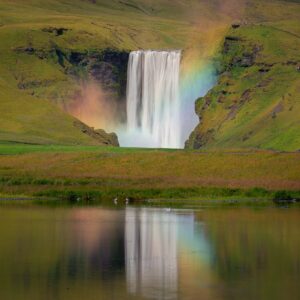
(42, 40)
(256, 102)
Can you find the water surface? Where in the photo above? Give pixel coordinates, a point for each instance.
(146, 253)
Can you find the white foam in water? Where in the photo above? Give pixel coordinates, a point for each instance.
(153, 104)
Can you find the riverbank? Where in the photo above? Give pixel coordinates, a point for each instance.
(107, 173)
(168, 204)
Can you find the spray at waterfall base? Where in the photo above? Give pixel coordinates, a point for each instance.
(161, 99)
(159, 109)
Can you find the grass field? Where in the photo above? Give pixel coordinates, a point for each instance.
(103, 172)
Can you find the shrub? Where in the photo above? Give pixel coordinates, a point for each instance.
(282, 197)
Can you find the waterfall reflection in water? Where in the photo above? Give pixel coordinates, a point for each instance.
(157, 243)
(151, 253)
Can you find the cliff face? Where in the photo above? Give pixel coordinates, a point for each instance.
(45, 67)
(256, 102)
(106, 68)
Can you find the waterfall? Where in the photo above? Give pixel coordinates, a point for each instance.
(153, 104)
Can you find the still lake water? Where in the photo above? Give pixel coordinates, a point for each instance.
(146, 253)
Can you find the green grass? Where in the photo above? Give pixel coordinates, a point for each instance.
(11, 149)
(105, 173)
(14, 149)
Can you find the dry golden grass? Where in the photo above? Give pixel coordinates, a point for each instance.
(108, 170)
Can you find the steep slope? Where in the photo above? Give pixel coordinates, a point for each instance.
(25, 119)
(256, 102)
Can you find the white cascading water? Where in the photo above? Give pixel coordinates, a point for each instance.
(153, 101)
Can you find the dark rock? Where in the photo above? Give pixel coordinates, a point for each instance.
(28, 50)
(23, 85)
(284, 197)
(197, 140)
(264, 83)
(291, 62)
(228, 43)
(248, 58)
(75, 58)
(221, 99)
(278, 108)
(247, 136)
(236, 25)
(266, 65)
(232, 38)
(247, 61)
(264, 70)
(246, 96)
(56, 30)
(60, 57)
(104, 73)
(113, 138)
(99, 135)
(202, 104)
(233, 111)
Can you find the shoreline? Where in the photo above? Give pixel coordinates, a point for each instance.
(120, 202)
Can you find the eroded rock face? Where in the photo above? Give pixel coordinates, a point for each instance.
(102, 137)
(106, 67)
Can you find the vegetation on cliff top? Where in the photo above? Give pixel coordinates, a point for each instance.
(256, 102)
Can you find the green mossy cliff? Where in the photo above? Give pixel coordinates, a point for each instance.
(256, 102)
